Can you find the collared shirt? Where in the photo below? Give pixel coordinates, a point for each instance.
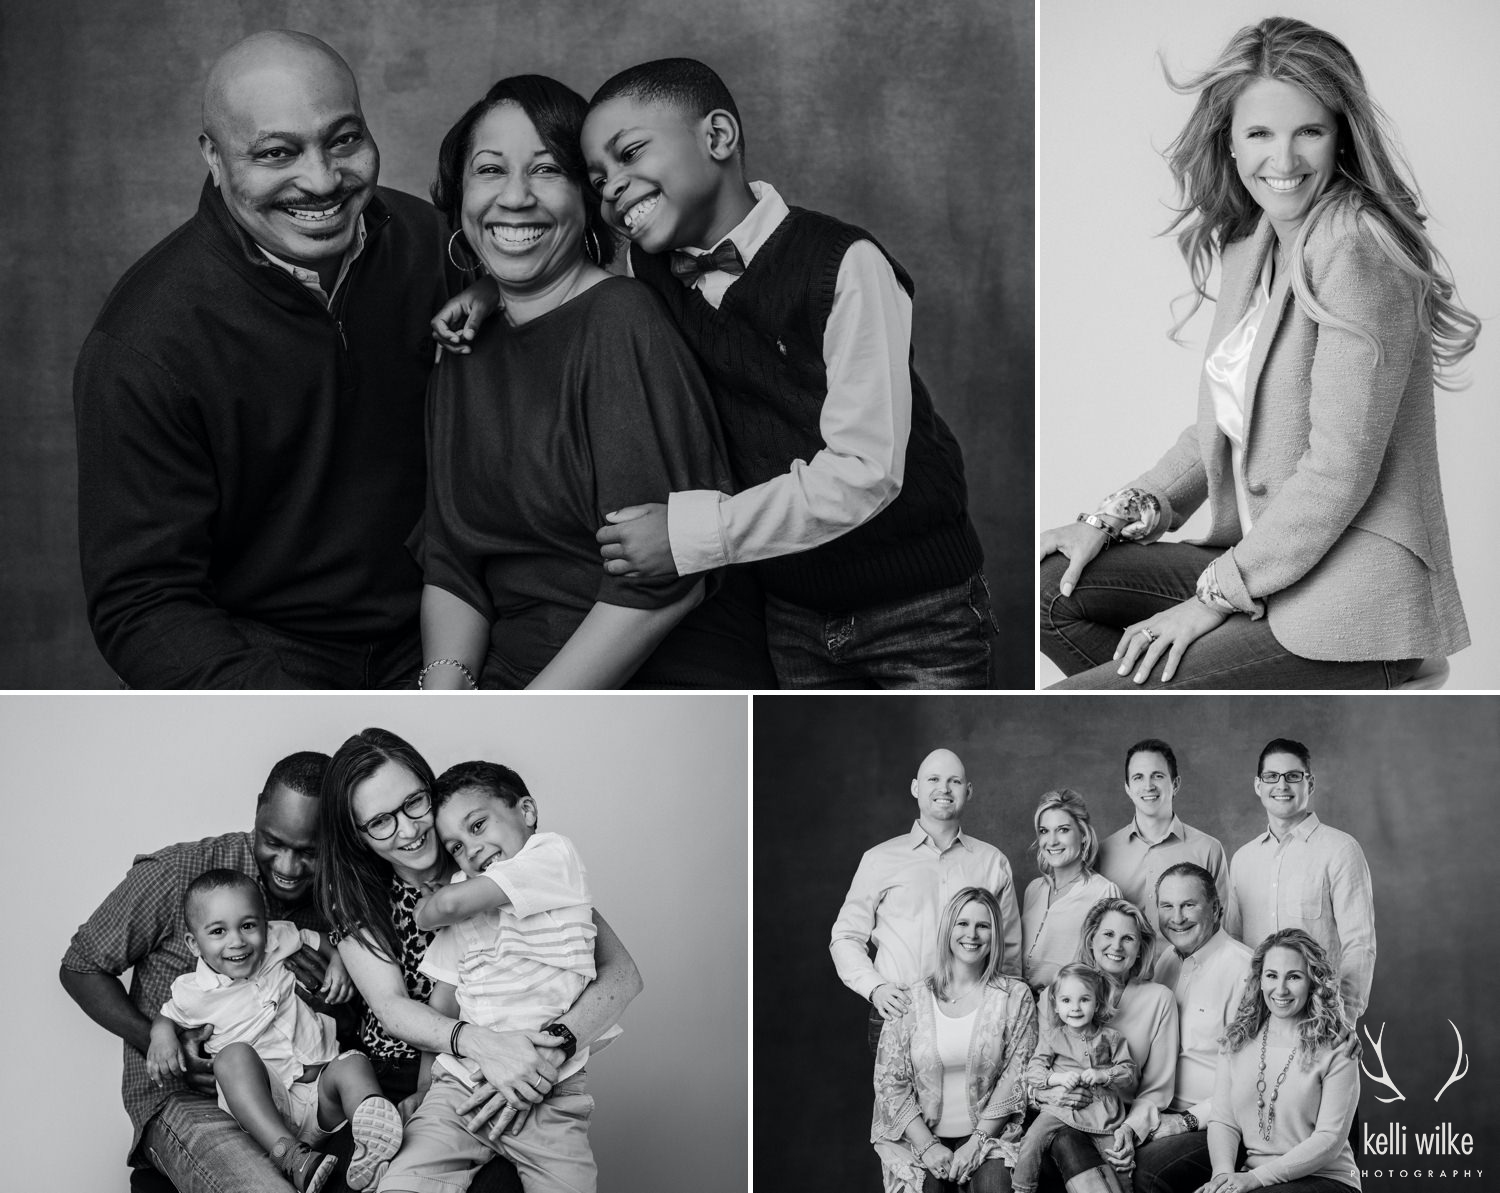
(897, 899)
(309, 277)
(865, 420)
(139, 927)
(1134, 865)
(1314, 878)
(261, 1010)
(1207, 986)
(1052, 930)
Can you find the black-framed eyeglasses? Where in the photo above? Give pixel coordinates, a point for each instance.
(413, 807)
(1275, 776)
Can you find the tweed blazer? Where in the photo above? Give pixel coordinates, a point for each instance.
(1348, 555)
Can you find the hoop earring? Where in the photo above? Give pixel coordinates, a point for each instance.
(458, 265)
(591, 245)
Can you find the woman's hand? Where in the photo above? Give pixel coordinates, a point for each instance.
(1075, 1098)
(520, 1065)
(336, 987)
(1167, 634)
(486, 1106)
(1228, 1182)
(1080, 542)
(966, 1160)
(1121, 1152)
(938, 1160)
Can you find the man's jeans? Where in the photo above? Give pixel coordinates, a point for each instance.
(939, 639)
(200, 1149)
(1132, 582)
(389, 662)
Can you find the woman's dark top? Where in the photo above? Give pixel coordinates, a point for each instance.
(539, 433)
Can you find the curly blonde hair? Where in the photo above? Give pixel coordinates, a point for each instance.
(1373, 184)
(1322, 1022)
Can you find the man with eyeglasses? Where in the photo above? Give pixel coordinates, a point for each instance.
(178, 1131)
(1302, 873)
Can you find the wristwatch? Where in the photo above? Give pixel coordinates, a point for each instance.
(564, 1033)
(1188, 1117)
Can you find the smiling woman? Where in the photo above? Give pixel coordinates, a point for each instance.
(582, 399)
(1056, 904)
(1327, 562)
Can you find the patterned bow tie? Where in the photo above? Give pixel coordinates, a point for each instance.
(687, 268)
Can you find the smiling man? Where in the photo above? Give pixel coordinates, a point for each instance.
(250, 402)
(1302, 873)
(1206, 970)
(901, 887)
(1135, 857)
(139, 927)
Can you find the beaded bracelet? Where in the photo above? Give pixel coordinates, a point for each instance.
(453, 1038)
(422, 674)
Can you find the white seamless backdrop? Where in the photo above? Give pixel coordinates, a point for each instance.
(1114, 392)
(651, 788)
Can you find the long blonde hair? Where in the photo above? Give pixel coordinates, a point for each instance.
(1373, 184)
(942, 979)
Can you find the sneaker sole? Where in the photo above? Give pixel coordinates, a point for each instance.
(376, 1127)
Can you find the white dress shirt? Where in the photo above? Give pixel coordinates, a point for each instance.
(1315, 878)
(897, 898)
(1207, 986)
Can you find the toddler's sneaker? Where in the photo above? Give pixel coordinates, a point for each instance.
(308, 1170)
(376, 1127)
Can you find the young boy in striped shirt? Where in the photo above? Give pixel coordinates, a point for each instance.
(515, 949)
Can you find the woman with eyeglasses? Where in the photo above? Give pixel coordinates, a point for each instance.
(378, 854)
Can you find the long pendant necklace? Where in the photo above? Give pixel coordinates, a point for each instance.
(1268, 1115)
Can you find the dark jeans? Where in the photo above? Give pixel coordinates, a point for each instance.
(990, 1177)
(1132, 582)
(389, 662)
(941, 639)
(1180, 1164)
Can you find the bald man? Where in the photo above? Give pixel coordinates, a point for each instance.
(250, 402)
(901, 887)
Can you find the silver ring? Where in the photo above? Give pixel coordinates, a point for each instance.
(1146, 630)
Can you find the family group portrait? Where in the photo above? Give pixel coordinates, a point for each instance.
(495, 347)
(324, 943)
(1182, 945)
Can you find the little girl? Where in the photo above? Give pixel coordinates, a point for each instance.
(1075, 1048)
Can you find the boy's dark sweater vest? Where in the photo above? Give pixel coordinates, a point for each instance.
(763, 353)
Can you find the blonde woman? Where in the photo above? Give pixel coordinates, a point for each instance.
(1327, 561)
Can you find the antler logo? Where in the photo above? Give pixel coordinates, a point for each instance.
(1460, 1066)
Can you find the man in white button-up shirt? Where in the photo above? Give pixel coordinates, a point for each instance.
(901, 887)
(1302, 873)
(1206, 969)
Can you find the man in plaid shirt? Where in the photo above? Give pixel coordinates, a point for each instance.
(177, 1129)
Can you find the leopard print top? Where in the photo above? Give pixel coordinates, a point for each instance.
(414, 942)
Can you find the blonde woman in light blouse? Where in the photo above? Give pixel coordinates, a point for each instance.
(1286, 1092)
(949, 1094)
(1326, 563)
(1057, 903)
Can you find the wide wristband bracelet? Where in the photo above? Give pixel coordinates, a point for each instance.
(422, 674)
(1111, 535)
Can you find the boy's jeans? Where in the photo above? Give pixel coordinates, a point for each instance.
(938, 639)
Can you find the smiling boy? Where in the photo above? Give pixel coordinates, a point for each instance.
(852, 501)
(277, 1061)
(514, 950)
